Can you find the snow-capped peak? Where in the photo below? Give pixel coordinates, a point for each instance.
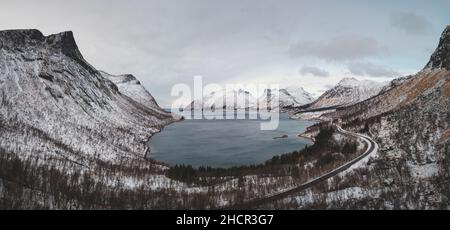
(228, 99)
(347, 92)
(292, 96)
(349, 82)
(288, 97)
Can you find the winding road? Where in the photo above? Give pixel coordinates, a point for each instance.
(372, 148)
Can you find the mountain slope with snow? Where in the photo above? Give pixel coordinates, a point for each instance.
(225, 99)
(410, 122)
(60, 111)
(347, 92)
(288, 97)
(129, 86)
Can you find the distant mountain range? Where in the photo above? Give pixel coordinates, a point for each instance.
(288, 97)
(243, 99)
(347, 92)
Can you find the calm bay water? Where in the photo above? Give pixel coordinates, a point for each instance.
(226, 143)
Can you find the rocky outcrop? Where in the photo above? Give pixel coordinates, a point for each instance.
(441, 57)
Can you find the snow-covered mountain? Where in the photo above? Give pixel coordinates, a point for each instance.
(347, 92)
(288, 97)
(240, 99)
(129, 86)
(410, 122)
(57, 107)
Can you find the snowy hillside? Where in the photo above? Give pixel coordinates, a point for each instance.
(58, 109)
(409, 120)
(347, 92)
(129, 86)
(288, 97)
(240, 99)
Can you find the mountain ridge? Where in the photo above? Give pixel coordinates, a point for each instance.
(441, 56)
(288, 97)
(48, 86)
(63, 42)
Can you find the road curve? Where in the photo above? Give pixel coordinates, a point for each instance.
(372, 148)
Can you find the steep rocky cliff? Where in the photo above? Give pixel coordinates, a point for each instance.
(59, 112)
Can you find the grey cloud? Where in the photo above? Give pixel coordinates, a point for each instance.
(314, 71)
(371, 70)
(341, 48)
(410, 23)
(328, 86)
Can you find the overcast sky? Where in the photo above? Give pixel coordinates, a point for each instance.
(291, 42)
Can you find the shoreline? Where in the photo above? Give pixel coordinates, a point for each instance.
(316, 120)
(147, 150)
(302, 135)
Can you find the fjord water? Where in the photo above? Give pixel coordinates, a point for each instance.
(226, 143)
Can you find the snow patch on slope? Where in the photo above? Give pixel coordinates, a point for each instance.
(243, 99)
(347, 92)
